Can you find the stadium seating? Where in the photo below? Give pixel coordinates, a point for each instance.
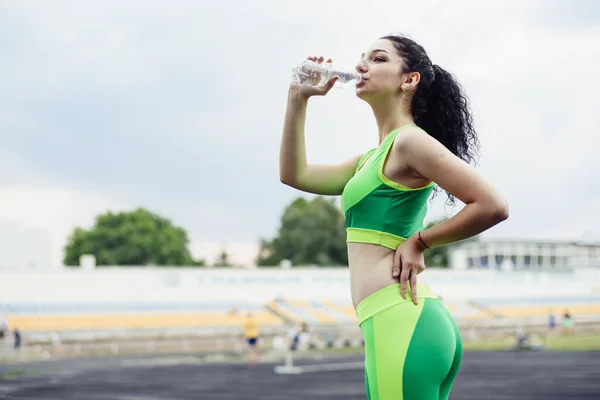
(274, 313)
(140, 316)
(138, 298)
(314, 312)
(541, 307)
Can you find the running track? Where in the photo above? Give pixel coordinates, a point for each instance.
(490, 376)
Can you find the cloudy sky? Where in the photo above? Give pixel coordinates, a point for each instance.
(178, 106)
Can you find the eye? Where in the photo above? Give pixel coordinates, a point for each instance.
(379, 59)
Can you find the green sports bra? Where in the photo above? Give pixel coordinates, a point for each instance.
(378, 210)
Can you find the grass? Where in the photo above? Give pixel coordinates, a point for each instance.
(557, 343)
(586, 342)
(16, 373)
(581, 343)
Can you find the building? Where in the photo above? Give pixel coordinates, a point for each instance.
(22, 248)
(513, 254)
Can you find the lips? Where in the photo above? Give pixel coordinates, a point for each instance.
(361, 83)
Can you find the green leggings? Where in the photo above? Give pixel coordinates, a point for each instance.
(412, 352)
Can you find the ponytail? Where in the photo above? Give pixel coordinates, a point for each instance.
(447, 116)
(439, 105)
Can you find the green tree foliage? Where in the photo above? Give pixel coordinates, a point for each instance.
(222, 260)
(438, 256)
(133, 238)
(311, 233)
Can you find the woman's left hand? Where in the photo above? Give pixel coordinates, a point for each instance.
(408, 262)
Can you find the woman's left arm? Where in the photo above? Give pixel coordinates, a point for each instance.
(484, 205)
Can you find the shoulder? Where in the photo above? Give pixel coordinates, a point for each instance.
(416, 142)
(411, 136)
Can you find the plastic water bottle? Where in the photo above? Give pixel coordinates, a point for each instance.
(311, 73)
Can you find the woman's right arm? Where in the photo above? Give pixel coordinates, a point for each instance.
(294, 171)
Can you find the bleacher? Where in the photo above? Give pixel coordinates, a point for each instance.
(522, 307)
(314, 312)
(77, 317)
(202, 300)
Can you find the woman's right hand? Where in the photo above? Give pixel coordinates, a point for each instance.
(308, 91)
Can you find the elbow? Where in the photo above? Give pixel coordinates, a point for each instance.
(286, 180)
(284, 176)
(499, 211)
(290, 178)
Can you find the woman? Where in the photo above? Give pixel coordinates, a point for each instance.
(252, 336)
(412, 348)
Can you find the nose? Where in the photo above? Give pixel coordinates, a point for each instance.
(361, 68)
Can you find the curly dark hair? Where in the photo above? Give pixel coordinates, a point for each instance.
(439, 105)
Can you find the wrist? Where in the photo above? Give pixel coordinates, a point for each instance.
(296, 94)
(418, 242)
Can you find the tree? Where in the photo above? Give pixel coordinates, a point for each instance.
(222, 260)
(311, 233)
(131, 238)
(438, 256)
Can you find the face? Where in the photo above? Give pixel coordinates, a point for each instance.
(381, 69)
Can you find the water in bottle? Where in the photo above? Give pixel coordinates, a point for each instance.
(311, 73)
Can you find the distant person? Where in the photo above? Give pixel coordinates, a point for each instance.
(252, 336)
(17, 339)
(526, 341)
(552, 325)
(551, 322)
(300, 337)
(292, 335)
(567, 323)
(3, 328)
(425, 138)
(3, 335)
(522, 340)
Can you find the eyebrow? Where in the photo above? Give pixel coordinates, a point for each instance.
(375, 51)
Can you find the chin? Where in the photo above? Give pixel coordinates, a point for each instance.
(361, 93)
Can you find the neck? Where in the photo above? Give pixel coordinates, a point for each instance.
(391, 115)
